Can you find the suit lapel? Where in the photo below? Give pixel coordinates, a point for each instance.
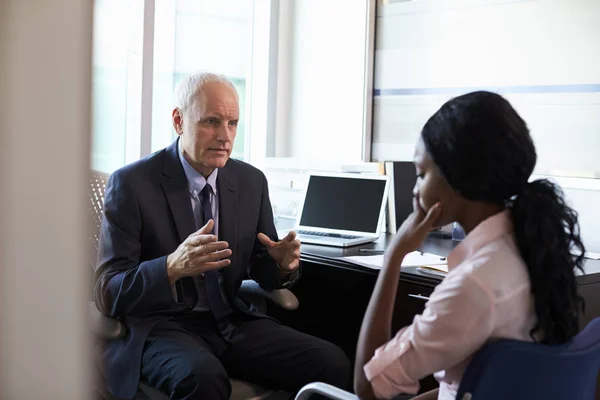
(176, 189)
(177, 192)
(227, 191)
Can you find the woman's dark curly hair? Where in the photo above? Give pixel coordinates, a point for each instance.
(483, 149)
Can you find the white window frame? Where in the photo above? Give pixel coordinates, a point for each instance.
(263, 79)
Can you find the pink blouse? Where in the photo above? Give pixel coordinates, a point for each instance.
(486, 295)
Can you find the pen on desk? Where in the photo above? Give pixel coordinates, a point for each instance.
(426, 270)
(376, 251)
(371, 251)
(441, 258)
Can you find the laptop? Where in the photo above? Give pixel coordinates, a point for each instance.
(342, 209)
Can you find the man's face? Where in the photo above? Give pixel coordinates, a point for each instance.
(208, 128)
(431, 187)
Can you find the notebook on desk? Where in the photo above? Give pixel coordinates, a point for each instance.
(342, 209)
(425, 261)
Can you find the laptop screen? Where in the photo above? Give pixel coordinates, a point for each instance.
(350, 204)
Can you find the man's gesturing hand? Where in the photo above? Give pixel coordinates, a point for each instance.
(200, 252)
(286, 252)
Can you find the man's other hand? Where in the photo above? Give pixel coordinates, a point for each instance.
(286, 252)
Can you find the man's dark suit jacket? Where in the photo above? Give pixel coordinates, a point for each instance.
(147, 214)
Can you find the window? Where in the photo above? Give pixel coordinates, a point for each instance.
(144, 48)
(195, 35)
(118, 27)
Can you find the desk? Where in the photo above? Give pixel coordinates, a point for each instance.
(334, 294)
(329, 256)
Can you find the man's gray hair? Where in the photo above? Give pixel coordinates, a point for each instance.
(187, 89)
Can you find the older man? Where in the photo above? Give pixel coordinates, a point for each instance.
(181, 227)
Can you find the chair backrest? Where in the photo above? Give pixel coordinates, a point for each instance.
(509, 369)
(96, 206)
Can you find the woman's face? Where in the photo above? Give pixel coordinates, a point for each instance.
(431, 187)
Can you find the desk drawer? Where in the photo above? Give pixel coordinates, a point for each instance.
(410, 301)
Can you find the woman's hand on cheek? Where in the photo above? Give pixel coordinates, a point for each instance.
(414, 229)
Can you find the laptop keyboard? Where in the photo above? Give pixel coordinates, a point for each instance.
(331, 235)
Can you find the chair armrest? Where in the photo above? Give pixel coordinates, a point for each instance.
(282, 297)
(103, 326)
(326, 390)
(110, 328)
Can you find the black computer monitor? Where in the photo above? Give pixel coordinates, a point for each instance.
(403, 178)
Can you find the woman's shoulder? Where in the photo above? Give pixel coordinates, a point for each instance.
(498, 267)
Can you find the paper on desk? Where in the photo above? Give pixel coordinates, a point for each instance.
(414, 259)
(588, 254)
(592, 256)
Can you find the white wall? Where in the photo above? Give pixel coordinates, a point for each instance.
(584, 196)
(586, 203)
(543, 55)
(465, 43)
(45, 278)
(327, 85)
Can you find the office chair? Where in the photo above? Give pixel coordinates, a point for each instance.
(510, 369)
(108, 328)
(516, 370)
